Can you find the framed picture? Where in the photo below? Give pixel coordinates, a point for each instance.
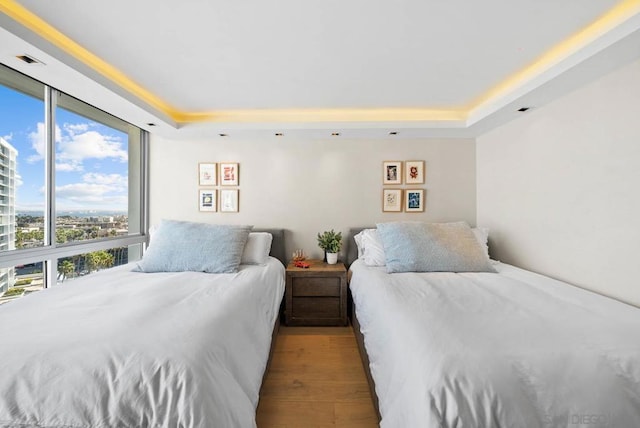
(229, 174)
(207, 174)
(392, 172)
(392, 200)
(207, 200)
(414, 172)
(414, 200)
(229, 200)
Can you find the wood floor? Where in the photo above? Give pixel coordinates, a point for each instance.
(316, 380)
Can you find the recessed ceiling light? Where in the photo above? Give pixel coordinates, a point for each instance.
(393, 133)
(278, 134)
(335, 134)
(523, 109)
(151, 124)
(29, 59)
(223, 135)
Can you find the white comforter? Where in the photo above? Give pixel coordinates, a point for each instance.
(129, 349)
(512, 349)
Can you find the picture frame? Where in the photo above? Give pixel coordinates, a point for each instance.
(229, 174)
(392, 172)
(229, 200)
(207, 174)
(207, 200)
(392, 200)
(414, 200)
(414, 172)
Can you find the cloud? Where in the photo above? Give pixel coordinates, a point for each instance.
(76, 128)
(38, 143)
(116, 181)
(89, 196)
(7, 137)
(107, 191)
(74, 144)
(69, 167)
(76, 191)
(90, 145)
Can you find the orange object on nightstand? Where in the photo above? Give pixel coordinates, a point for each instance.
(301, 264)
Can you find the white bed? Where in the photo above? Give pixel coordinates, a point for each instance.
(129, 349)
(505, 349)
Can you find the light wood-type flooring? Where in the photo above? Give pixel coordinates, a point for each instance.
(316, 380)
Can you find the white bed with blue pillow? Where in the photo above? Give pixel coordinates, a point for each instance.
(454, 339)
(179, 339)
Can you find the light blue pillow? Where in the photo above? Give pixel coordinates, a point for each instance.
(432, 247)
(179, 246)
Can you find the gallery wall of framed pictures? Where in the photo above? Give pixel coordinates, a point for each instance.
(217, 187)
(399, 199)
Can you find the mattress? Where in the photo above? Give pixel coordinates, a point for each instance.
(512, 349)
(128, 349)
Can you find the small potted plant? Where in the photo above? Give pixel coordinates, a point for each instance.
(330, 242)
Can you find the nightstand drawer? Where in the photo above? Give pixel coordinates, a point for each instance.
(319, 286)
(316, 295)
(316, 307)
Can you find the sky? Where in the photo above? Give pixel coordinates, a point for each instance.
(91, 159)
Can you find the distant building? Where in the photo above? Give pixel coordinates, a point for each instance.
(8, 155)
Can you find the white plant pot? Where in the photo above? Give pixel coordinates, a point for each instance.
(332, 258)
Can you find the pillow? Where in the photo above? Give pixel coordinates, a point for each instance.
(370, 248)
(432, 247)
(257, 249)
(359, 244)
(186, 246)
(482, 236)
(376, 256)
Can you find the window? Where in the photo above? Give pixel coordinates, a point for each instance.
(72, 185)
(79, 265)
(21, 126)
(24, 279)
(91, 172)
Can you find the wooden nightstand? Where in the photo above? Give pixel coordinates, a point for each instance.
(317, 295)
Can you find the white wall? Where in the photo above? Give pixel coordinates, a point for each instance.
(310, 186)
(560, 187)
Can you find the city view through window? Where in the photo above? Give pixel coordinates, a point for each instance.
(91, 187)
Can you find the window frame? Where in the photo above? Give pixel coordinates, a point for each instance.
(50, 252)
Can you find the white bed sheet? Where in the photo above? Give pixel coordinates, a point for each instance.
(130, 349)
(513, 349)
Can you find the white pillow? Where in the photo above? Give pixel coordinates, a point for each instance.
(359, 245)
(370, 248)
(482, 236)
(257, 248)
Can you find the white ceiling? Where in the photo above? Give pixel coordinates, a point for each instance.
(216, 57)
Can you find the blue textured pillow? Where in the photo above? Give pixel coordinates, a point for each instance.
(187, 246)
(432, 247)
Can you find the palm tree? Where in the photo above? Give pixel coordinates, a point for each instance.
(105, 260)
(99, 260)
(19, 238)
(66, 268)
